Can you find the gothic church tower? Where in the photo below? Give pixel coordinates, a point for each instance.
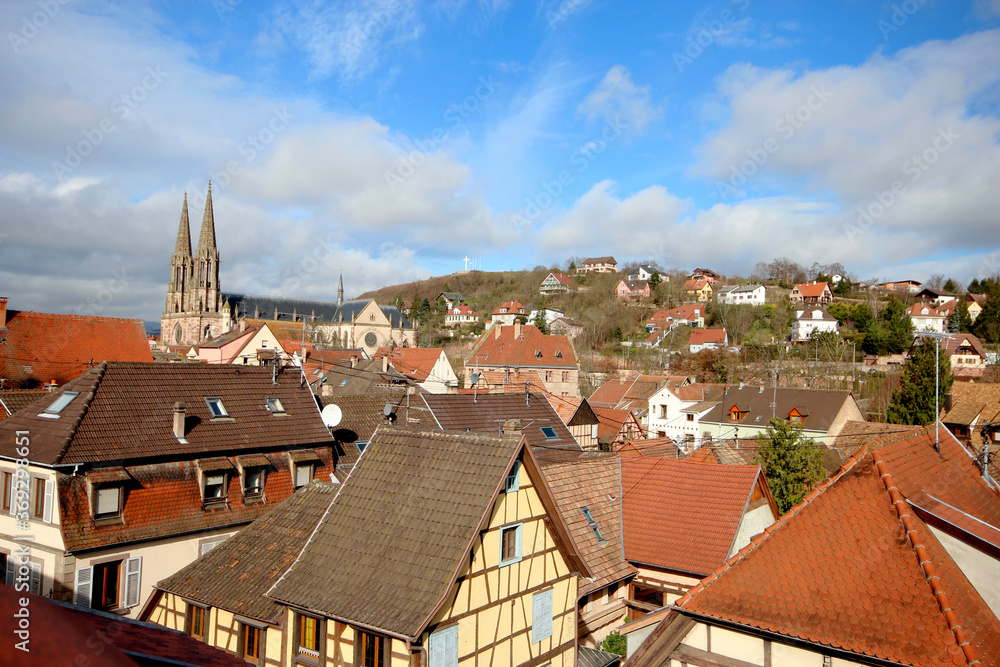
(193, 311)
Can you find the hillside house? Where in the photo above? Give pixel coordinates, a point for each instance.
(598, 265)
(707, 339)
(810, 320)
(507, 312)
(627, 290)
(935, 297)
(736, 295)
(814, 293)
(926, 317)
(566, 326)
(697, 290)
(460, 315)
(901, 286)
(557, 283)
(451, 300)
(642, 272)
(706, 275)
(519, 349)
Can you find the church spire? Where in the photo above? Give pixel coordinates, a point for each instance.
(340, 289)
(206, 241)
(183, 246)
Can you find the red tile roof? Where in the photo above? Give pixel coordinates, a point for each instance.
(811, 290)
(706, 336)
(532, 349)
(124, 411)
(564, 279)
(46, 347)
(614, 422)
(61, 634)
(688, 312)
(463, 310)
(515, 307)
(627, 393)
(693, 285)
(852, 568)
(683, 516)
(415, 363)
(656, 447)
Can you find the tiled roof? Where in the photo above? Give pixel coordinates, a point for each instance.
(362, 415)
(164, 499)
(594, 483)
(510, 382)
(562, 278)
(611, 422)
(851, 568)
(386, 559)
(631, 394)
(599, 260)
(15, 400)
(124, 411)
(47, 347)
(463, 310)
(811, 290)
(706, 336)
(821, 406)
(923, 310)
(488, 414)
(656, 447)
(277, 309)
(366, 377)
(686, 312)
(693, 285)
(856, 435)
(683, 516)
(63, 634)
(237, 574)
(415, 363)
(512, 307)
(952, 343)
(533, 349)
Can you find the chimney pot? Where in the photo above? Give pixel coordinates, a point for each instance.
(3, 312)
(179, 415)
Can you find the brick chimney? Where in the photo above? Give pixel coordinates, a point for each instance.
(497, 329)
(179, 419)
(517, 329)
(3, 312)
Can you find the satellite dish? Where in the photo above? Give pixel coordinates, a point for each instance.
(474, 378)
(332, 415)
(387, 410)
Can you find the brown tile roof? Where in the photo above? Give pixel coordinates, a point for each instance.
(237, 574)
(851, 568)
(599, 260)
(367, 377)
(656, 447)
(954, 342)
(363, 415)
(488, 413)
(510, 382)
(124, 411)
(820, 405)
(693, 285)
(163, 499)
(63, 634)
(705, 336)
(683, 516)
(856, 435)
(15, 400)
(686, 312)
(415, 363)
(594, 483)
(532, 349)
(631, 394)
(611, 423)
(385, 560)
(48, 347)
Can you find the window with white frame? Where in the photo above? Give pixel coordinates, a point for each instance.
(253, 482)
(513, 478)
(57, 406)
(303, 474)
(510, 545)
(215, 487)
(42, 499)
(108, 501)
(216, 407)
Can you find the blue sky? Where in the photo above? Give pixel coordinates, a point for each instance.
(393, 138)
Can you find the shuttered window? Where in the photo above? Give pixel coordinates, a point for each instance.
(444, 648)
(133, 570)
(541, 616)
(84, 581)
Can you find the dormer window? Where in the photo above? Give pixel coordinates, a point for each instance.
(215, 488)
(274, 405)
(253, 482)
(736, 415)
(108, 502)
(216, 407)
(54, 410)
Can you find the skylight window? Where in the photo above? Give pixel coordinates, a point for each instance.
(57, 406)
(216, 407)
(344, 382)
(549, 433)
(274, 405)
(592, 524)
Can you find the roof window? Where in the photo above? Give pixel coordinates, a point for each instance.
(549, 433)
(53, 411)
(274, 406)
(592, 524)
(216, 407)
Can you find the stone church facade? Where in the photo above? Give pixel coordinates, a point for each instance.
(197, 310)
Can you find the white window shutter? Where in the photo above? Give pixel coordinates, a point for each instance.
(10, 570)
(81, 595)
(444, 648)
(12, 483)
(541, 616)
(49, 493)
(133, 568)
(517, 549)
(35, 585)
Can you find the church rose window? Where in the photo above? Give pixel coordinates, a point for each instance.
(371, 340)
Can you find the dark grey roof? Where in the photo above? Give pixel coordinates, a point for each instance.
(453, 296)
(236, 574)
(281, 308)
(591, 657)
(821, 405)
(386, 551)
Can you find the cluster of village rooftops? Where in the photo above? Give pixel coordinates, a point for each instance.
(235, 493)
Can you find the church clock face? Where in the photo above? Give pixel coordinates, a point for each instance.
(371, 340)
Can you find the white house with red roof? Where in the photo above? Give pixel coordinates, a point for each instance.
(507, 312)
(926, 318)
(676, 410)
(811, 293)
(707, 339)
(427, 366)
(555, 283)
(460, 315)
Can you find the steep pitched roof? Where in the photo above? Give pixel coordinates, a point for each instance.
(856, 435)
(820, 405)
(593, 483)
(812, 290)
(406, 546)
(627, 394)
(612, 422)
(655, 447)
(498, 346)
(15, 400)
(681, 515)
(488, 413)
(237, 574)
(851, 568)
(415, 363)
(124, 411)
(48, 347)
(599, 260)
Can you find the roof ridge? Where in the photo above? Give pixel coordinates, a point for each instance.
(781, 521)
(76, 316)
(915, 538)
(99, 375)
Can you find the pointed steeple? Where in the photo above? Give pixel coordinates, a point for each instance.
(340, 289)
(183, 246)
(206, 240)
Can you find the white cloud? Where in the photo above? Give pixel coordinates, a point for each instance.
(616, 96)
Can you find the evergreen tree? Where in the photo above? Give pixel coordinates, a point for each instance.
(655, 280)
(951, 286)
(540, 321)
(987, 325)
(913, 402)
(889, 333)
(792, 463)
(961, 321)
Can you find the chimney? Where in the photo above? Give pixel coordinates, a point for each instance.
(385, 363)
(354, 360)
(3, 312)
(496, 334)
(179, 419)
(517, 329)
(948, 402)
